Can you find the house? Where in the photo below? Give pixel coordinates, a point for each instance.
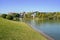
(22, 15)
(33, 15)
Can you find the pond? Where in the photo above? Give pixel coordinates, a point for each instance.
(49, 27)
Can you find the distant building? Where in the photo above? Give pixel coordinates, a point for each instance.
(22, 15)
(33, 15)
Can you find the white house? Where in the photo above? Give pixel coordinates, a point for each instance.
(33, 15)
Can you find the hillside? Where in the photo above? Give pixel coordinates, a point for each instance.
(12, 30)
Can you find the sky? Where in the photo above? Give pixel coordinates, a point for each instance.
(29, 5)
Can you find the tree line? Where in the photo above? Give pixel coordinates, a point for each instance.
(40, 15)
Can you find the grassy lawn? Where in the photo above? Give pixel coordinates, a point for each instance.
(12, 30)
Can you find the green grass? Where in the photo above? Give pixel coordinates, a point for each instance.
(12, 30)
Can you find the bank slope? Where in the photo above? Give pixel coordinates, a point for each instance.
(12, 30)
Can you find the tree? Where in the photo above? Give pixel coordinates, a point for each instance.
(9, 17)
(37, 14)
(28, 15)
(14, 14)
(4, 15)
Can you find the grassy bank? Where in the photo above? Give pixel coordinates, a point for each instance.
(12, 30)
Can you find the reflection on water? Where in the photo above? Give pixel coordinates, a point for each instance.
(50, 27)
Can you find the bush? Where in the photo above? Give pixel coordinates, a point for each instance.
(16, 19)
(14, 14)
(4, 15)
(9, 17)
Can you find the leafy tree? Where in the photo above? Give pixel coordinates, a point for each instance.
(14, 14)
(4, 15)
(28, 15)
(37, 14)
(9, 17)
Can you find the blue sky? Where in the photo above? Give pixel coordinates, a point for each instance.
(29, 5)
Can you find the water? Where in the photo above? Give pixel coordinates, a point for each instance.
(49, 27)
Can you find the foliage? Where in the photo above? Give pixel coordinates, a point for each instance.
(9, 17)
(28, 15)
(16, 19)
(14, 14)
(40, 15)
(3, 15)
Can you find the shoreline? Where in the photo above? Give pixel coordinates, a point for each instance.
(45, 35)
(42, 33)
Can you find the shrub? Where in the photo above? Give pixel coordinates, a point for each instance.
(4, 15)
(9, 17)
(16, 19)
(14, 14)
